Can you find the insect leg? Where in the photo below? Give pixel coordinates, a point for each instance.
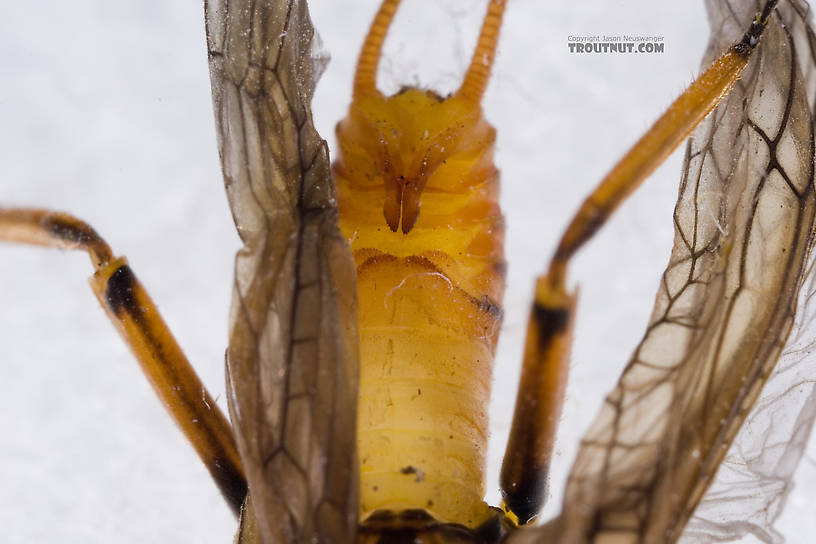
(671, 128)
(547, 348)
(137, 319)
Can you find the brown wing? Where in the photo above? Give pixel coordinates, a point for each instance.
(725, 307)
(292, 358)
(753, 482)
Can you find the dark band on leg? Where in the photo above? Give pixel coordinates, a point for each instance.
(172, 377)
(131, 310)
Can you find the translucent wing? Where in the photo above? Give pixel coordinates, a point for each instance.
(725, 307)
(752, 483)
(291, 361)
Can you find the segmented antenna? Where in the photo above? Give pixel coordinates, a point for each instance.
(478, 73)
(365, 78)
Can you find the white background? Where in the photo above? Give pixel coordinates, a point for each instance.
(105, 112)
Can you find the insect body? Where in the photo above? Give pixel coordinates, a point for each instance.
(430, 279)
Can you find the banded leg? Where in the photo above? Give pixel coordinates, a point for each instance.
(137, 319)
(549, 332)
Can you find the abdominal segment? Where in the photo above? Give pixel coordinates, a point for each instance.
(429, 316)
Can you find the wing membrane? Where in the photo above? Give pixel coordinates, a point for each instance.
(291, 361)
(725, 307)
(724, 310)
(752, 483)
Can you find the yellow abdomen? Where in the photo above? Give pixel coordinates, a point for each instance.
(429, 298)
